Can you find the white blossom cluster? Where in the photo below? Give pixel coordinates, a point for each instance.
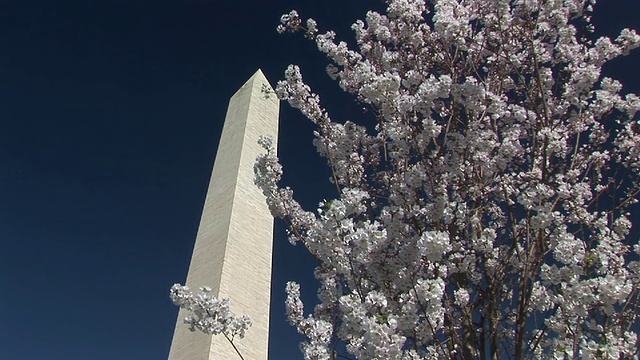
(208, 313)
(485, 212)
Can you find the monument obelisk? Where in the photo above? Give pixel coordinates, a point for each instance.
(232, 252)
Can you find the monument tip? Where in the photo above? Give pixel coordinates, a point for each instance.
(261, 77)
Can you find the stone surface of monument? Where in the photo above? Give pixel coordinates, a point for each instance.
(233, 248)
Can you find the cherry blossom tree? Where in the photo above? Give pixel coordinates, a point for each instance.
(484, 213)
(209, 314)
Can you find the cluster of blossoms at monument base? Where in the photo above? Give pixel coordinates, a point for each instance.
(483, 206)
(209, 314)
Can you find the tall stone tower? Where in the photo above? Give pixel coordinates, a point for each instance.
(232, 252)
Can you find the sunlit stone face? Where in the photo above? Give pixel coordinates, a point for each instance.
(232, 252)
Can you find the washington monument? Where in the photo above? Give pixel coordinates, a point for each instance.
(232, 252)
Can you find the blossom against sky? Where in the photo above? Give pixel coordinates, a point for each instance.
(110, 113)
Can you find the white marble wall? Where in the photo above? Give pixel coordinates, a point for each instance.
(233, 248)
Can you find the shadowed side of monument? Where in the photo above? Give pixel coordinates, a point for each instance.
(233, 249)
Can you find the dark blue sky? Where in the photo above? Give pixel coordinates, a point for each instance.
(110, 114)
